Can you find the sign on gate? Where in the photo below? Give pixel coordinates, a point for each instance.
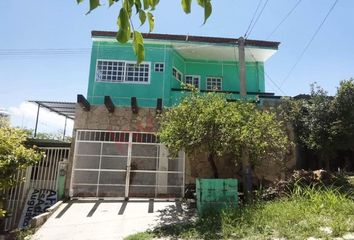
(38, 201)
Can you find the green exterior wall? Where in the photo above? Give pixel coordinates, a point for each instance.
(162, 83)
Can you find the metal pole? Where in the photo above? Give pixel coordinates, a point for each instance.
(64, 128)
(35, 128)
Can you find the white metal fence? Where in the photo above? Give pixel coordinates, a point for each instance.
(43, 175)
(124, 164)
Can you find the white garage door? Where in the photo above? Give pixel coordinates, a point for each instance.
(124, 164)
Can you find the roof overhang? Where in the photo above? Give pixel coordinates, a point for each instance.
(222, 53)
(205, 48)
(66, 109)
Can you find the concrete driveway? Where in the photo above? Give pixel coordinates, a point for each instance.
(108, 219)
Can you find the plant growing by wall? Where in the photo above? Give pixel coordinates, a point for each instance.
(210, 123)
(14, 156)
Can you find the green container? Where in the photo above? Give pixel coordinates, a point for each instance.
(213, 195)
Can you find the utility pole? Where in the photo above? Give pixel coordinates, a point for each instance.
(246, 170)
(242, 67)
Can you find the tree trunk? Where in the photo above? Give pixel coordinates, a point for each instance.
(325, 160)
(211, 160)
(246, 176)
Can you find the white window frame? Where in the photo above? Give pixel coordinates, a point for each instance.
(210, 77)
(163, 66)
(178, 71)
(132, 82)
(109, 60)
(125, 71)
(193, 76)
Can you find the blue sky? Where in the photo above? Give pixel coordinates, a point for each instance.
(44, 24)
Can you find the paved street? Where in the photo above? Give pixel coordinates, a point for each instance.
(108, 220)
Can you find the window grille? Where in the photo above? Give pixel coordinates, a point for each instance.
(110, 71)
(159, 67)
(214, 83)
(192, 80)
(137, 73)
(177, 74)
(120, 71)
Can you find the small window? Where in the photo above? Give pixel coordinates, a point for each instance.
(177, 74)
(192, 80)
(159, 67)
(214, 83)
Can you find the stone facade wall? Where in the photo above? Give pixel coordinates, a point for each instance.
(122, 119)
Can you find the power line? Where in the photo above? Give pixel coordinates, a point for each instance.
(284, 19)
(258, 17)
(42, 52)
(254, 15)
(309, 43)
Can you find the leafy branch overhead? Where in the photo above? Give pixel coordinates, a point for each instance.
(143, 9)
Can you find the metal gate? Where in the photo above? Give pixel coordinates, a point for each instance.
(124, 164)
(43, 175)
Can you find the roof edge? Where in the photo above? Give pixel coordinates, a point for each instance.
(188, 38)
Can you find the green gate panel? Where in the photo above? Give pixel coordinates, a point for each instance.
(213, 195)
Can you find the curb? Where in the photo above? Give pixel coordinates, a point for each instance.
(39, 220)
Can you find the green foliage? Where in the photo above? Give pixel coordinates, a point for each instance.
(323, 123)
(14, 156)
(140, 236)
(307, 212)
(210, 123)
(144, 9)
(343, 125)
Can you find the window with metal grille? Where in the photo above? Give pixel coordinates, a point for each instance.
(214, 83)
(192, 80)
(121, 71)
(177, 74)
(144, 138)
(159, 67)
(103, 136)
(110, 71)
(137, 73)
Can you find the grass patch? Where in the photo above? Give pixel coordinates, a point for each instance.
(140, 236)
(306, 212)
(351, 180)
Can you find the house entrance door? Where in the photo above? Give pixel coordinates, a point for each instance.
(124, 164)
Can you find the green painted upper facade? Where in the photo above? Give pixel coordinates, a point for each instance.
(211, 64)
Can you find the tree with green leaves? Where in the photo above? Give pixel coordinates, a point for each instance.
(144, 10)
(343, 108)
(323, 124)
(14, 156)
(210, 123)
(312, 117)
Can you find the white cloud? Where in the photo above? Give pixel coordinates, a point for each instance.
(25, 115)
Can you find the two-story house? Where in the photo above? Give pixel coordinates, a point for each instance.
(116, 152)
